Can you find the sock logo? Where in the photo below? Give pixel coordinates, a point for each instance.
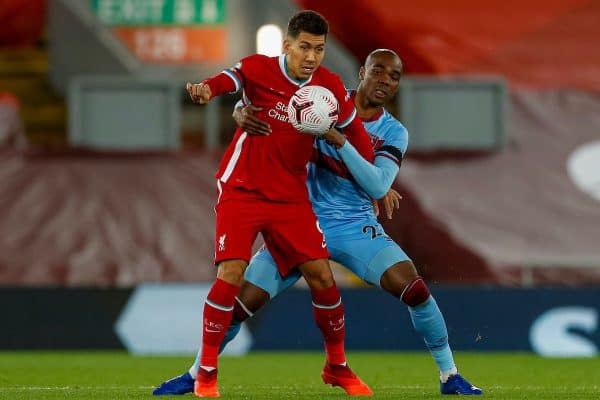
(337, 325)
(212, 327)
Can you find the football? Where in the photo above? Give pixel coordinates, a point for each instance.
(313, 110)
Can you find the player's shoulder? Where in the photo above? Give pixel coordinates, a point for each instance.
(256, 60)
(392, 126)
(392, 122)
(326, 77)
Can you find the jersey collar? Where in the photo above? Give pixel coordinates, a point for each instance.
(284, 71)
(375, 117)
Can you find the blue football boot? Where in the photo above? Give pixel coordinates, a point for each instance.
(181, 384)
(456, 384)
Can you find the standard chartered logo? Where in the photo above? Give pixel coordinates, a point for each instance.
(554, 333)
(279, 112)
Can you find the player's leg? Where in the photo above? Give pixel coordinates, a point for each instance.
(218, 311)
(297, 241)
(403, 282)
(328, 311)
(217, 319)
(367, 251)
(237, 225)
(262, 282)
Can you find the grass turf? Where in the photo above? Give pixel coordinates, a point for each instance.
(116, 375)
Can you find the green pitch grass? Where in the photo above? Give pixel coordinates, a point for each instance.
(116, 375)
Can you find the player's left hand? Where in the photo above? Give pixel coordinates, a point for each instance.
(391, 202)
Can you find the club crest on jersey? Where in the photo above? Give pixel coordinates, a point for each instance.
(376, 142)
(222, 242)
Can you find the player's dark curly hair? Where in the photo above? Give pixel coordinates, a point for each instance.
(307, 21)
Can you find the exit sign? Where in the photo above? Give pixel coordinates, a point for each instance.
(159, 12)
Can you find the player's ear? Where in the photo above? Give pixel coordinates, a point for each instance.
(286, 45)
(361, 73)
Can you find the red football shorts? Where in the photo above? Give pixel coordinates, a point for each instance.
(290, 230)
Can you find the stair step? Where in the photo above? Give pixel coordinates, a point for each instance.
(23, 62)
(30, 90)
(52, 116)
(47, 139)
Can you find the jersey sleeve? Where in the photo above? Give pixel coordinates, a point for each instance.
(347, 111)
(230, 80)
(347, 121)
(395, 143)
(375, 179)
(357, 135)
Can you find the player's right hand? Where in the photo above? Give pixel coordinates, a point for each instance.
(245, 118)
(199, 92)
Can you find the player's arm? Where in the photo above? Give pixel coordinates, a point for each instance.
(228, 81)
(375, 179)
(356, 134)
(348, 121)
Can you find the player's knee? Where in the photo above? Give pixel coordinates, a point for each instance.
(415, 293)
(232, 271)
(317, 274)
(240, 311)
(249, 300)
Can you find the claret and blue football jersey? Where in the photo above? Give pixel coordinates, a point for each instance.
(334, 193)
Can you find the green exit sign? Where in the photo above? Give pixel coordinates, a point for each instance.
(159, 12)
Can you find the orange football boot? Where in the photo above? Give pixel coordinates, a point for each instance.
(342, 376)
(206, 384)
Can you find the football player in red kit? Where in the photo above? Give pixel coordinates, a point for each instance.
(262, 189)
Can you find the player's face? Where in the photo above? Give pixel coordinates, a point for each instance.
(380, 78)
(304, 54)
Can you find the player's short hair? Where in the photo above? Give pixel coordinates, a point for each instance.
(307, 21)
(377, 52)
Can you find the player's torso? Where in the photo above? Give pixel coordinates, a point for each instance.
(274, 165)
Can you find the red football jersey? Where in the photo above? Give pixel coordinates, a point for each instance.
(274, 167)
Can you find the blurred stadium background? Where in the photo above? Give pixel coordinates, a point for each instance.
(107, 188)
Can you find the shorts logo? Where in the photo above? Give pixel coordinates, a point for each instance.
(222, 242)
(323, 243)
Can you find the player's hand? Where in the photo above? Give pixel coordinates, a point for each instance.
(199, 92)
(391, 202)
(245, 118)
(335, 138)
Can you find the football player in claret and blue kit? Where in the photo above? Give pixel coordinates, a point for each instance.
(341, 185)
(262, 188)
